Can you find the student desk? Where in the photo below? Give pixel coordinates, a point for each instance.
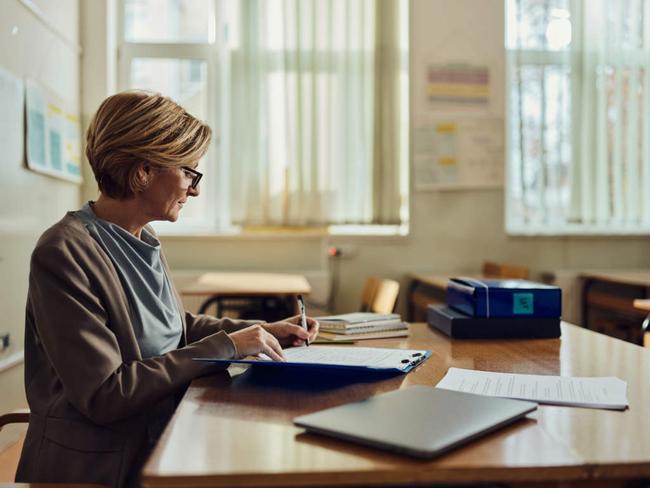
(607, 301)
(425, 289)
(237, 431)
(242, 289)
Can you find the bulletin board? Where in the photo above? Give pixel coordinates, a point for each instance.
(459, 152)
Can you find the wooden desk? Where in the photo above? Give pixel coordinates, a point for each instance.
(608, 302)
(642, 304)
(217, 288)
(237, 431)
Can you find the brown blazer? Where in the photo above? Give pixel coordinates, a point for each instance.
(96, 406)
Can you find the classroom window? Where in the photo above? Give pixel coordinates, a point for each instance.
(578, 117)
(308, 102)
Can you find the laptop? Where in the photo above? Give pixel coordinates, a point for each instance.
(419, 421)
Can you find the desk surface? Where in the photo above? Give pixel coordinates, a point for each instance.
(642, 304)
(249, 284)
(237, 430)
(625, 277)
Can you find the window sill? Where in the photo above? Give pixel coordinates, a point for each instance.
(291, 233)
(578, 231)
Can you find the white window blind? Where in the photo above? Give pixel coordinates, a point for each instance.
(578, 116)
(308, 101)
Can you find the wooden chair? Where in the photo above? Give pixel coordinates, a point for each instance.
(9, 458)
(500, 270)
(10, 455)
(379, 295)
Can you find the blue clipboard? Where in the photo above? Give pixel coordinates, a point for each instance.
(387, 360)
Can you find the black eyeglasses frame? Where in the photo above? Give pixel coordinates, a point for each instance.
(196, 176)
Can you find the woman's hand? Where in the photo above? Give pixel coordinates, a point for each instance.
(290, 332)
(255, 340)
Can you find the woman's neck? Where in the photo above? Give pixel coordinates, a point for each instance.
(125, 213)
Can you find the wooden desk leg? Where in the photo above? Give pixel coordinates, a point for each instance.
(585, 305)
(410, 303)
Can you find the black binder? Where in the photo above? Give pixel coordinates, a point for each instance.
(460, 326)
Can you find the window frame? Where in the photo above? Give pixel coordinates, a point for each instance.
(212, 52)
(540, 57)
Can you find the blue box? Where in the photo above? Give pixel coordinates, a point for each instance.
(504, 298)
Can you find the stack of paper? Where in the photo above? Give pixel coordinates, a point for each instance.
(361, 325)
(596, 392)
(371, 359)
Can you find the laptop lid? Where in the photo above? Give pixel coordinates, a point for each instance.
(419, 421)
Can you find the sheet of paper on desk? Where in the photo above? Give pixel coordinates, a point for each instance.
(601, 392)
(375, 357)
(370, 359)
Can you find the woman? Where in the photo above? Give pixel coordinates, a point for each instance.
(108, 351)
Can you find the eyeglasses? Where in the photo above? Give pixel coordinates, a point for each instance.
(193, 174)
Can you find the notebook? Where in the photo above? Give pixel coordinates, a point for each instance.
(358, 321)
(383, 334)
(419, 421)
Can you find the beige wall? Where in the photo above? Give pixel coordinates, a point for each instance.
(31, 202)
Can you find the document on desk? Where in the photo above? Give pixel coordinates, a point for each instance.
(352, 358)
(601, 392)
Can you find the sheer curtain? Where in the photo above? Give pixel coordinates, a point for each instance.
(579, 112)
(312, 129)
(611, 183)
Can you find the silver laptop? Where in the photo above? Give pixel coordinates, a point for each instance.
(419, 421)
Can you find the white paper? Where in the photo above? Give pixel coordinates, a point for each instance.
(600, 392)
(459, 153)
(53, 135)
(371, 357)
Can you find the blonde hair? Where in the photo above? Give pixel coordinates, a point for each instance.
(134, 128)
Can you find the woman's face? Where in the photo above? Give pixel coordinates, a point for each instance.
(167, 192)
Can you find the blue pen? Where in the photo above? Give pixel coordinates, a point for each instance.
(303, 315)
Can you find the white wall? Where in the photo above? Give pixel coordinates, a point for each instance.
(31, 202)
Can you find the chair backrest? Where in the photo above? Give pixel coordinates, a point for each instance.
(10, 454)
(500, 270)
(379, 295)
(9, 457)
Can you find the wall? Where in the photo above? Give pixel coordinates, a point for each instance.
(31, 202)
(450, 230)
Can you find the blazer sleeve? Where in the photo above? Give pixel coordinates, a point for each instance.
(74, 330)
(200, 326)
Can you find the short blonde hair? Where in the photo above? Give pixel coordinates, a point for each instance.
(134, 128)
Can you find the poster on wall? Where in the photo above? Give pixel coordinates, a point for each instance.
(53, 135)
(458, 86)
(459, 153)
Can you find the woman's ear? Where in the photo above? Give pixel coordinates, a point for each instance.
(144, 174)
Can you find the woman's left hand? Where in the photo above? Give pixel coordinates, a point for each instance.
(290, 332)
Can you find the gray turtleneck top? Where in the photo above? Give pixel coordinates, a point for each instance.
(155, 316)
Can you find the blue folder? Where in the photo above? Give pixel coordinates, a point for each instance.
(381, 360)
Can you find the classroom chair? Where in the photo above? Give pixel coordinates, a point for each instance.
(9, 458)
(379, 295)
(500, 270)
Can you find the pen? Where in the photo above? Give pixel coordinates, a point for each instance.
(303, 315)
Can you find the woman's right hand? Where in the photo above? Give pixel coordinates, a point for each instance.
(255, 340)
